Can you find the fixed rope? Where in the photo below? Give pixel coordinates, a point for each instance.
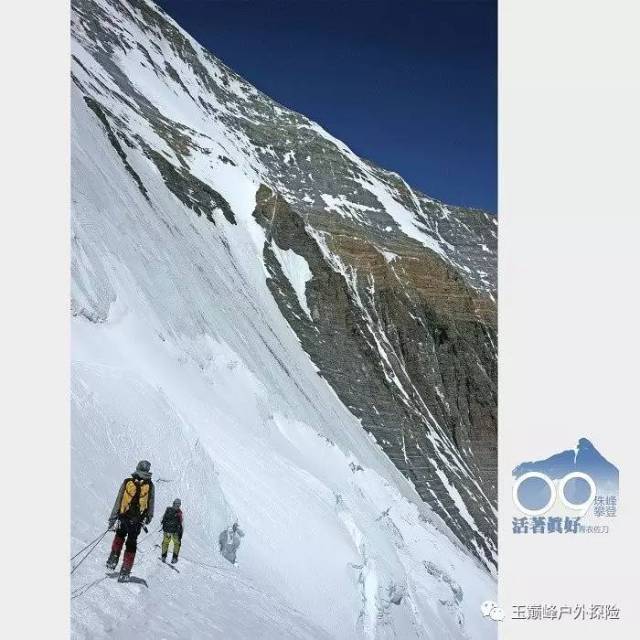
(93, 545)
(88, 545)
(82, 589)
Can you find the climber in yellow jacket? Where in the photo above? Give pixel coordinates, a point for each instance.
(132, 510)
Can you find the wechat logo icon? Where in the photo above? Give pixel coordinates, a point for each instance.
(490, 609)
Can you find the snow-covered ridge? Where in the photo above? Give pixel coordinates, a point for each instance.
(182, 356)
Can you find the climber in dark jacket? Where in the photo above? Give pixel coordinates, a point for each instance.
(132, 510)
(172, 526)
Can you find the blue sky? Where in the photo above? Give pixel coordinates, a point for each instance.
(409, 84)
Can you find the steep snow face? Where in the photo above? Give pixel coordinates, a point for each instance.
(182, 354)
(416, 334)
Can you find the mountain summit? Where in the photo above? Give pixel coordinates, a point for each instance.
(294, 337)
(584, 458)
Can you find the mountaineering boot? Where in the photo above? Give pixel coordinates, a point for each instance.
(163, 557)
(124, 575)
(112, 560)
(174, 559)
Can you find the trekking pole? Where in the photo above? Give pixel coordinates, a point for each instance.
(95, 544)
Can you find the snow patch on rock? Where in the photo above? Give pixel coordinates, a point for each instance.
(297, 271)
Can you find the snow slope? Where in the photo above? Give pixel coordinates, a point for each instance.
(180, 355)
(418, 334)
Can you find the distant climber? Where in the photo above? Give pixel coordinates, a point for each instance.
(229, 541)
(172, 527)
(132, 510)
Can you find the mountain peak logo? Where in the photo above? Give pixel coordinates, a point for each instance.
(576, 484)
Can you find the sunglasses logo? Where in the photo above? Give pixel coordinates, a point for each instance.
(535, 493)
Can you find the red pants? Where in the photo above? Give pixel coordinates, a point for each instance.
(128, 530)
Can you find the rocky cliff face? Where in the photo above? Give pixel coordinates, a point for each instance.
(392, 294)
(408, 347)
